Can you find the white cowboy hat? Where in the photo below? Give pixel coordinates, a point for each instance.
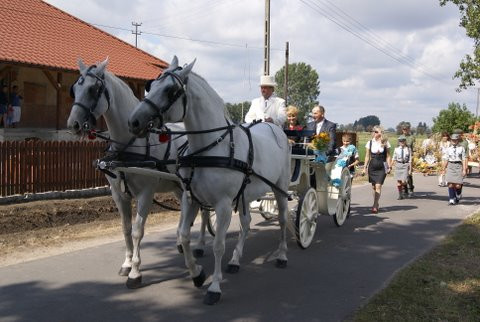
(267, 80)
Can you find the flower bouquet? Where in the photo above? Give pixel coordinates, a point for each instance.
(319, 145)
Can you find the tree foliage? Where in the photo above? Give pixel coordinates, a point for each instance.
(469, 70)
(303, 87)
(454, 117)
(235, 111)
(421, 128)
(366, 123)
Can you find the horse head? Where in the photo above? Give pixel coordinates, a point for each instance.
(165, 101)
(91, 97)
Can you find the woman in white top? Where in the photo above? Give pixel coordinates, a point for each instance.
(442, 148)
(377, 159)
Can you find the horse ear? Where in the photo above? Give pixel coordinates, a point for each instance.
(148, 84)
(81, 65)
(186, 70)
(174, 63)
(101, 66)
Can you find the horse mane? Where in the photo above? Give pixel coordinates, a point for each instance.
(122, 93)
(211, 92)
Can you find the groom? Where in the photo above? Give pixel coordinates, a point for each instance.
(321, 124)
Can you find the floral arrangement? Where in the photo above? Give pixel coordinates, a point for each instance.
(320, 141)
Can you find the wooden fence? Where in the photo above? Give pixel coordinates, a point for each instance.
(40, 166)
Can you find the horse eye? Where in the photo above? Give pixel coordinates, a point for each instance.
(94, 91)
(171, 93)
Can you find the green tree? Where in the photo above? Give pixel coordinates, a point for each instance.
(235, 110)
(367, 122)
(454, 117)
(470, 20)
(303, 87)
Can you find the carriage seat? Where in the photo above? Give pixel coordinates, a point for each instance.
(300, 136)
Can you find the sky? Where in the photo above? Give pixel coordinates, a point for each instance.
(393, 59)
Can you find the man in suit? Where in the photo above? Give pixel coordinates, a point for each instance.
(321, 124)
(268, 107)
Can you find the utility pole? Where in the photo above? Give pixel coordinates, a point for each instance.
(285, 81)
(266, 51)
(136, 32)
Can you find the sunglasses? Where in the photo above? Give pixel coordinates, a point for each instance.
(375, 132)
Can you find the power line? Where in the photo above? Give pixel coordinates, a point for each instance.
(373, 43)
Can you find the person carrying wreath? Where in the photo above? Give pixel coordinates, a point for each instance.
(402, 162)
(377, 159)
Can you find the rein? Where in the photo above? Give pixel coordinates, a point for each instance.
(194, 160)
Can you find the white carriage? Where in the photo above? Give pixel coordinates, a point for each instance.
(313, 191)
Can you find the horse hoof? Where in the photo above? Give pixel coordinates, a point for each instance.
(124, 271)
(197, 253)
(211, 298)
(232, 269)
(281, 263)
(180, 249)
(133, 283)
(200, 279)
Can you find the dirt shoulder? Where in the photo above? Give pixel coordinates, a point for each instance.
(44, 228)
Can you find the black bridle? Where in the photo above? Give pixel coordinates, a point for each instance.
(180, 91)
(98, 89)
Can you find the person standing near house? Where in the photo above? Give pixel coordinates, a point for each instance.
(410, 142)
(268, 107)
(3, 105)
(321, 124)
(15, 106)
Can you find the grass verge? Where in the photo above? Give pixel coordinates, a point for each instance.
(443, 285)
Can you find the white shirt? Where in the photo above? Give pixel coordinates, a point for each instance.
(273, 107)
(455, 153)
(319, 126)
(376, 146)
(397, 154)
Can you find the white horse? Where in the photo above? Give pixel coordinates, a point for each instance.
(98, 93)
(181, 95)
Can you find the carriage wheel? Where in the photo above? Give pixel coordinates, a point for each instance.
(268, 208)
(344, 197)
(306, 219)
(212, 222)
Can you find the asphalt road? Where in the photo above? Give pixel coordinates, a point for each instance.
(340, 271)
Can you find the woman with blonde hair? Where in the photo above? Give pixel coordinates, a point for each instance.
(377, 163)
(292, 124)
(292, 119)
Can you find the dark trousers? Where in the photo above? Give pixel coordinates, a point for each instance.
(409, 186)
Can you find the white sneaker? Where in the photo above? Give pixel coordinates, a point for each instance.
(451, 202)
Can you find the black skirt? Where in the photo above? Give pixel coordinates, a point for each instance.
(376, 170)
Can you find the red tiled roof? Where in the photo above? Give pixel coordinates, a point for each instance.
(37, 33)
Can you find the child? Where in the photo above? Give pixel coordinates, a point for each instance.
(402, 161)
(348, 151)
(455, 168)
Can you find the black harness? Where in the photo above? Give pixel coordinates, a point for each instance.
(194, 160)
(96, 91)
